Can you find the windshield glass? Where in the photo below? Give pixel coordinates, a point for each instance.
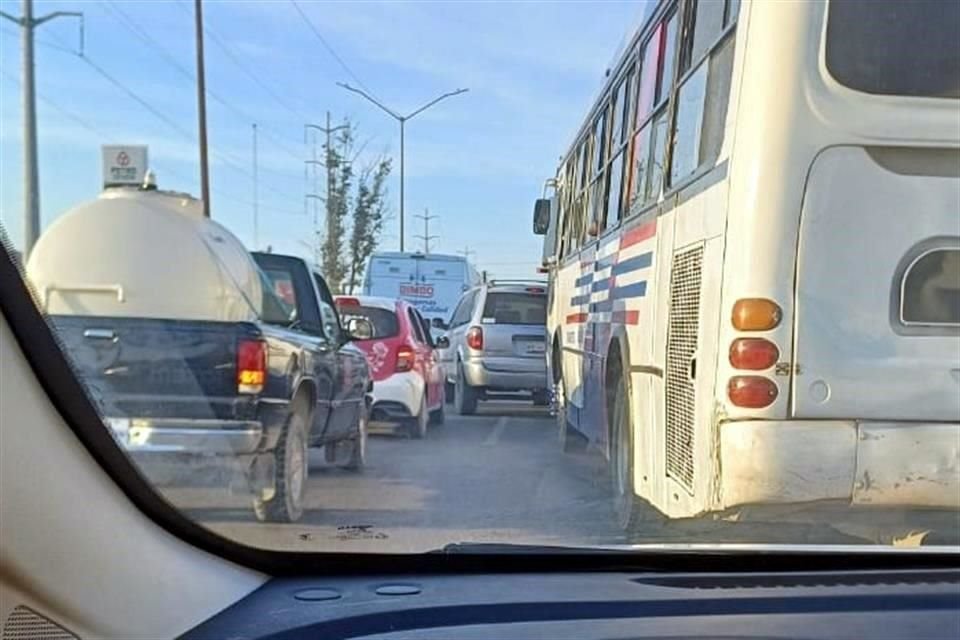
(384, 321)
(300, 276)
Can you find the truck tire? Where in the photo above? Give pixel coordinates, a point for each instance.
(419, 423)
(438, 416)
(291, 470)
(358, 446)
(541, 398)
(464, 396)
(633, 514)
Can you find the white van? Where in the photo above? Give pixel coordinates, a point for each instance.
(431, 282)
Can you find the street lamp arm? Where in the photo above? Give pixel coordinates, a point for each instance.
(57, 14)
(449, 94)
(4, 14)
(371, 99)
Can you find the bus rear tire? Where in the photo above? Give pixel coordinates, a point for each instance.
(633, 514)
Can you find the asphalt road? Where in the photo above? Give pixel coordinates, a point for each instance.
(498, 476)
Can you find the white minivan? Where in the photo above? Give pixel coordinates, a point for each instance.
(433, 282)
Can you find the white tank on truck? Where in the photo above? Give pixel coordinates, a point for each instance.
(140, 252)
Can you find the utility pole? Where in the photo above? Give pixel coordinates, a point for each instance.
(314, 162)
(426, 237)
(467, 252)
(31, 174)
(402, 120)
(256, 227)
(202, 109)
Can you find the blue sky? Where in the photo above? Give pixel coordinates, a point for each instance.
(476, 161)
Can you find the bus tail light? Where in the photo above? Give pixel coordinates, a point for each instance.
(475, 338)
(754, 354)
(405, 358)
(251, 366)
(756, 314)
(752, 392)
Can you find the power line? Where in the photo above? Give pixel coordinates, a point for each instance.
(141, 33)
(329, 48)
(225, 48)
(162, 169)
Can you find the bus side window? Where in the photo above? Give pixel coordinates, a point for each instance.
(706, 67)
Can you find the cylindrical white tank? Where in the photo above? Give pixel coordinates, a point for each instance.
(151, 254)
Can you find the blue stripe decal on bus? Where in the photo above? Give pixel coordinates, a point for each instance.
(587, 278)
(603, 305)
(601, 285)
(606, 261)
(635, 290)
(641, 261)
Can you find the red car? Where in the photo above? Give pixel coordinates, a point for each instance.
(407, 376)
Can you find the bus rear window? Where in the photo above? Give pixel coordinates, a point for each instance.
(909, 48)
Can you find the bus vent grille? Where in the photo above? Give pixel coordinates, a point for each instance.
(681, 344)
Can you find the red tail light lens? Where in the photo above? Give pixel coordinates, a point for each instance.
(405, 358)
(755, 354)
(475, 338)
(251, 366)
(347, 302)
(752, 392)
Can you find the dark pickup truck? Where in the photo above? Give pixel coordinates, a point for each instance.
(248, 397)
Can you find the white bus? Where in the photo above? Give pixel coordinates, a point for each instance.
(754, 252)
(431, 282)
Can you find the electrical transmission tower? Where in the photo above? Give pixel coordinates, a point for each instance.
(426, 237)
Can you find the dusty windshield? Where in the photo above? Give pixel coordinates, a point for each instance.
(734, 318)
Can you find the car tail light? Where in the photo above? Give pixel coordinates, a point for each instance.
(755, 354)
(475, 338)
(751, 392)
(756, 314)
(347, 302)
(405, 358)
(251, 366)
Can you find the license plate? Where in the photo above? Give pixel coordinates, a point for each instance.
(535, 347)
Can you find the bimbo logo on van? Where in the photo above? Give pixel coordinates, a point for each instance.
(417, 290)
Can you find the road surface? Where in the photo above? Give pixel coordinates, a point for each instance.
(497, 476)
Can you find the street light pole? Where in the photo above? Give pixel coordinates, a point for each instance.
(31, 174)
(202, 109)
(402, 120)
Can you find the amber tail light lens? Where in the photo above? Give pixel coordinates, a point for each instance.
(756, 314)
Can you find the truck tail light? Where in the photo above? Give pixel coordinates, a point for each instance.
(756, 314)
(755, 354)
(251, 366)
(475, 338)
(405, 358)
(752, 392)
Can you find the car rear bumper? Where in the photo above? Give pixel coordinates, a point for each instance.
(505, 375)
(187, 436)
(396, 397)
(869, 464)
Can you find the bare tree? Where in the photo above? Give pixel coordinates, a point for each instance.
(369, 209)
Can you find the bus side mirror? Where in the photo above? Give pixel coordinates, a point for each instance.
(541, 217)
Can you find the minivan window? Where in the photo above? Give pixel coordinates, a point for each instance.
(515, 308)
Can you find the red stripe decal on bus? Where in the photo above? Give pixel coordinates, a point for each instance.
(638, 234)
(625, 317)
(576, 318)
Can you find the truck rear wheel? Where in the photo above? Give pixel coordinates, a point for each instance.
(285, 502)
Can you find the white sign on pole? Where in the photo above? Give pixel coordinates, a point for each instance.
(124, 164)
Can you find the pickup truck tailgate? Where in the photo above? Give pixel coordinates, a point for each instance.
(156, 368)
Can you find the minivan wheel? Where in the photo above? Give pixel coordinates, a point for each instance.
(285, 504)
(464, 396)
